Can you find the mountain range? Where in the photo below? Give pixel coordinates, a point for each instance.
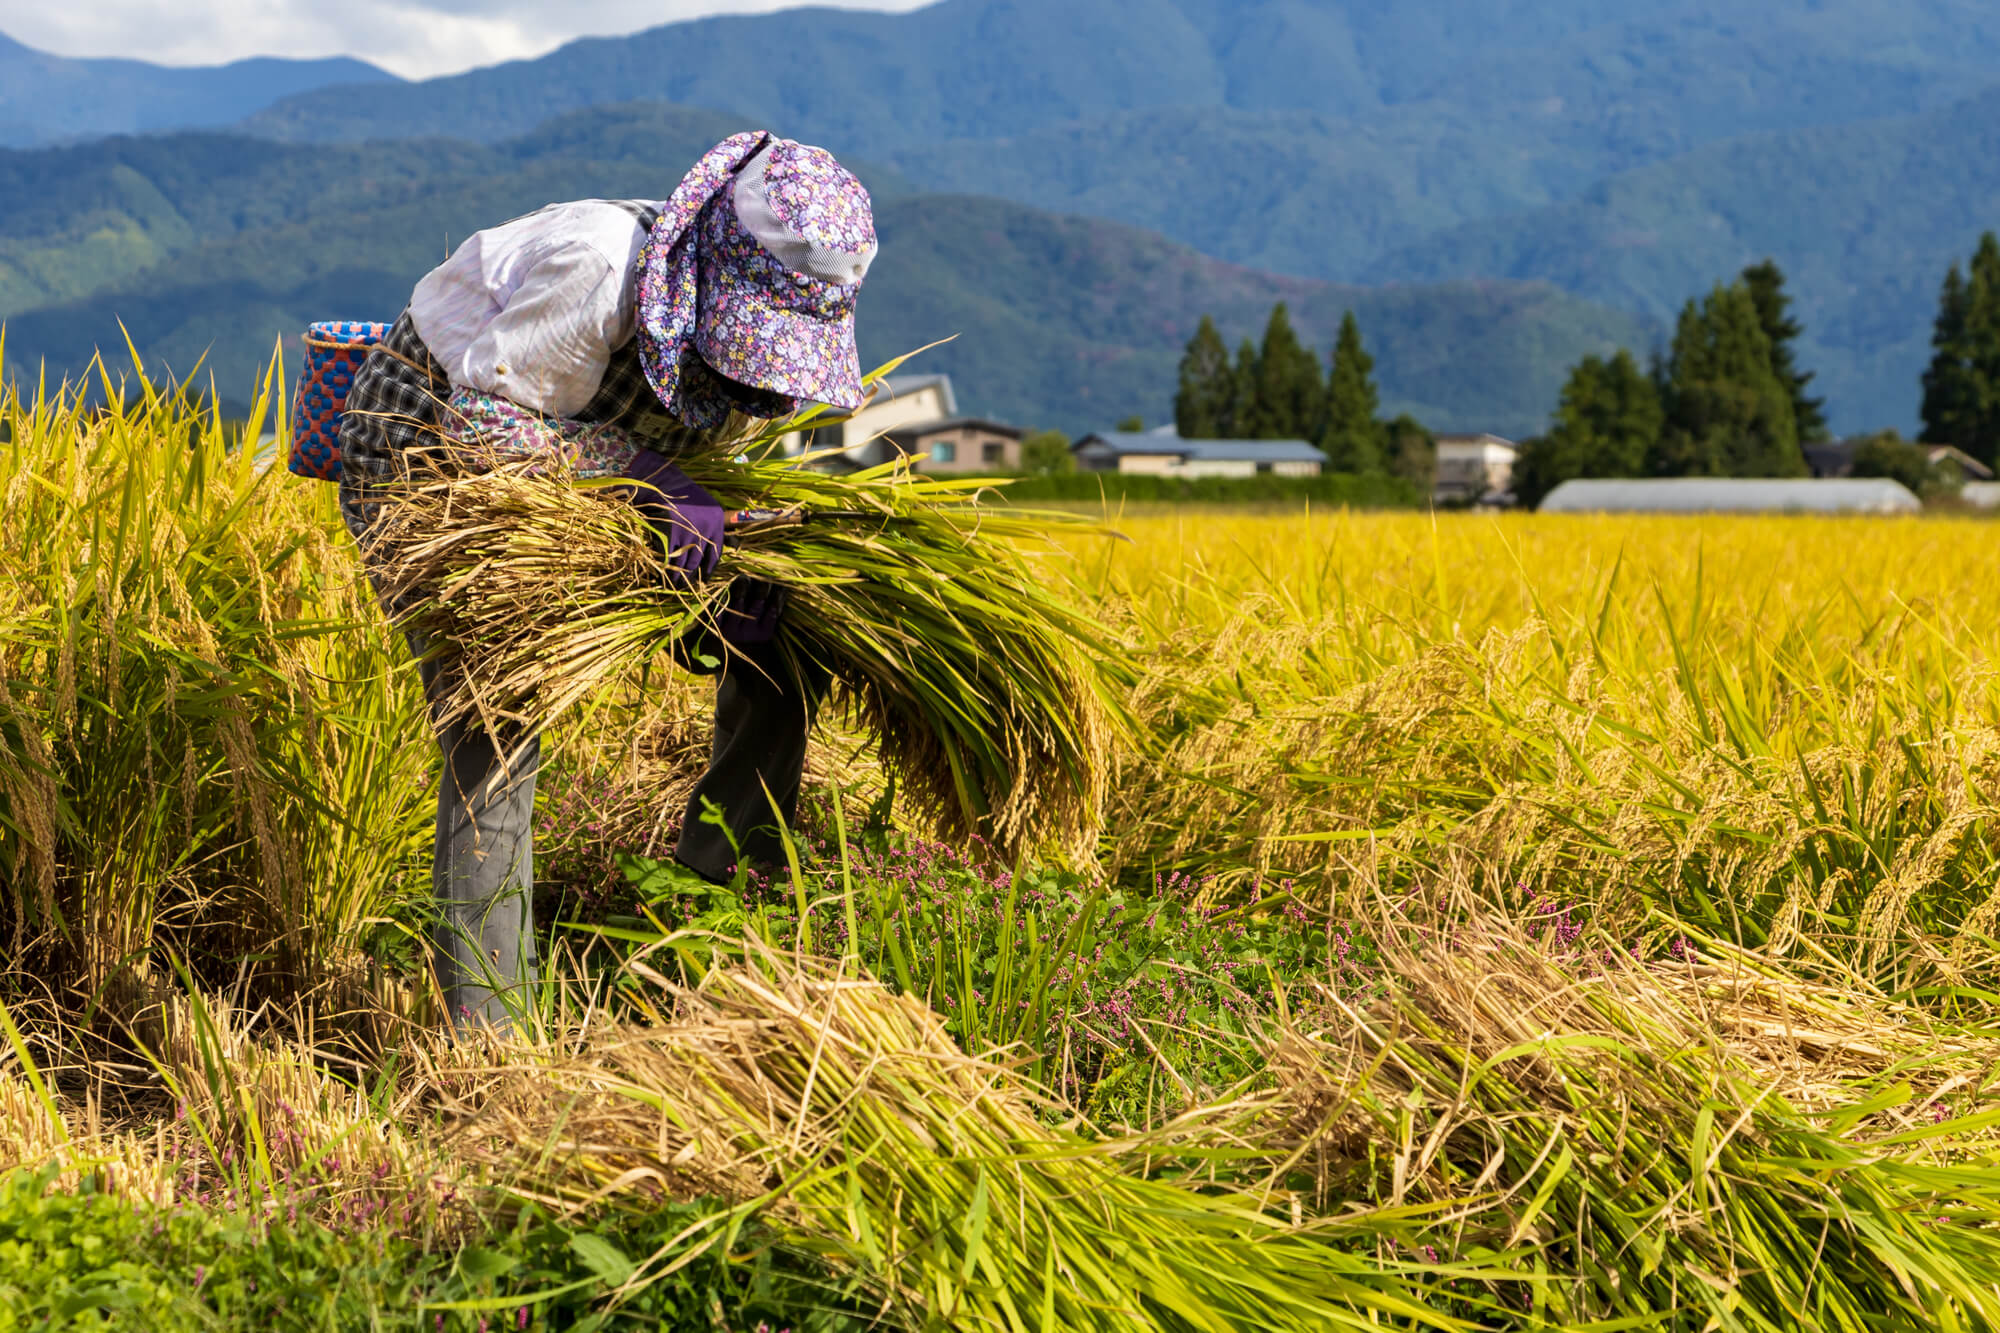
(1864, 218)
(1627, 85)
(211, 245)
(1626, 158)
(48, 99)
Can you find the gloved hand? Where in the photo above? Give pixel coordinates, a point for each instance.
(751, 615)
(688, 519)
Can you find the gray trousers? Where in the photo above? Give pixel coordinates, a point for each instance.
(484, 873)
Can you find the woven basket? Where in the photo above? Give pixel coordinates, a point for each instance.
(335, 349)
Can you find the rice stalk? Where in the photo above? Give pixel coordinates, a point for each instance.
(995, 701)
(203, 723)
(1845, 817)
(1706, 1144)
(931, 1174)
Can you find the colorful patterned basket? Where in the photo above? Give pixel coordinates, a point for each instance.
(335, 349)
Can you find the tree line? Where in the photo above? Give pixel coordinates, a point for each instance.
(1278, 390)
(1962, 383)
(1725, 398)
(1728, 399)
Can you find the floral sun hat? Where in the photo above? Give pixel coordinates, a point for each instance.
(748, 280)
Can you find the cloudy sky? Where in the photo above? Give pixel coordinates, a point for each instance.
(414, 38)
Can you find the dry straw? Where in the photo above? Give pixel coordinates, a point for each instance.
(871, 1139)
(1696, 1143)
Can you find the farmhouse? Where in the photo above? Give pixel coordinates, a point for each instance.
(916, 415)
(1163, 452)
(960, 444)
(1740, 495)
(1473, 467)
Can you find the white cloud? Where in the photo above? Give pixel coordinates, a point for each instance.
(414, 38)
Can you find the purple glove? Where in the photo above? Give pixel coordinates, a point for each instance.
(688, 519)
(751, 617)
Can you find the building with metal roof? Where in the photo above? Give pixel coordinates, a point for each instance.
(1732, 495)
(905, 387)
(1835, 458)
(1163, 452)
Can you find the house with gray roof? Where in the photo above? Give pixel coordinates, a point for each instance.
(1732, 495)
(1163, 453)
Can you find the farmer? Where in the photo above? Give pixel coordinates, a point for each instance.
(621, 331)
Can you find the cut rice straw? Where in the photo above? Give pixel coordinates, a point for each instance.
(929, 1174)
(996, 701)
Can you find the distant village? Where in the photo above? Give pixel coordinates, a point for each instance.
(917, 417)
(1720, 420)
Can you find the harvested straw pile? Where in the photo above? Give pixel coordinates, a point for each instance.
(991, 696)
(1708, 1137)
(850, 1115)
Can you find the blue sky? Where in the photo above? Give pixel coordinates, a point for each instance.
(414, 38)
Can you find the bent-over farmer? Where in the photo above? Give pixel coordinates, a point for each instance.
(621, 330)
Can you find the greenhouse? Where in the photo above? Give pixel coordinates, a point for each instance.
(1742, 495)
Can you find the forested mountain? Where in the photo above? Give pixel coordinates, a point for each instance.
(46, 98)
(1638, 81)
(90, 215)
(1630, 155)
(224, 245)
(1308, 136)
(1361, 142)
(1864, 219)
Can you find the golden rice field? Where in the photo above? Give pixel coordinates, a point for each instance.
(1499, 922)
(1783, 724)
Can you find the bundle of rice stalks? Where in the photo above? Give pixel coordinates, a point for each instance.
(991, 695)
(874, 1142)
(1700, 1144)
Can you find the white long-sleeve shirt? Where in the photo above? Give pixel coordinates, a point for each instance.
(531, 310)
